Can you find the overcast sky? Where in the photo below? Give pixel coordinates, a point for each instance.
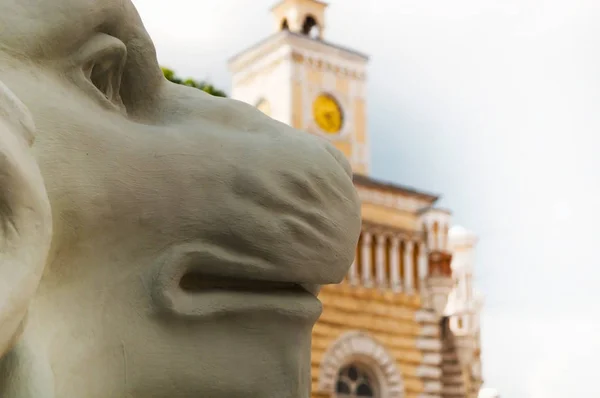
(492, 103)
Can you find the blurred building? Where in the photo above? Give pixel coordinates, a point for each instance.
(405, 321)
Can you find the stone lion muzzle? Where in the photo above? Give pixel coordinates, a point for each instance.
(154, 241)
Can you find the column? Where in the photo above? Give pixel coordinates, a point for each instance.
(380, 261)
(422, 265)
(366, 260)
(395, 264)
(408, 266)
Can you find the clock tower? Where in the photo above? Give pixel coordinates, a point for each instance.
(299, 78)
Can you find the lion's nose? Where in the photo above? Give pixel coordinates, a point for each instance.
(292, 211)
(261, 201)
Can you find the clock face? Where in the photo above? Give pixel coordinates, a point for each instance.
(264, 106)
(328, 114)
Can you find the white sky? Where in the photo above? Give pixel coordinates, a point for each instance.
(493, 103)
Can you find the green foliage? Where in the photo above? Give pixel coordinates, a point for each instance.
(202, 85)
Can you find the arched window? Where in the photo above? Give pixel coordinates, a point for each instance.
(285, 25)
(357, 366)
(311, 28)
(354, 381)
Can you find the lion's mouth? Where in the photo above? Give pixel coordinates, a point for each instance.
(197, 282)
(191, 287)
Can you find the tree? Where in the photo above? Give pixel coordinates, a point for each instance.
(202, 85)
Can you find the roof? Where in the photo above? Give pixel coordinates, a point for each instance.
(299, 35)
(330, 44)
(370, 182)
(435, 209)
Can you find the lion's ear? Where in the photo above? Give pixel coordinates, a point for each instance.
(25, 218)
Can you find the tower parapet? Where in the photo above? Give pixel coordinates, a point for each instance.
(436, 224)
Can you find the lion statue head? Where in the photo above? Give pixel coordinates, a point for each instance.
(155, 241)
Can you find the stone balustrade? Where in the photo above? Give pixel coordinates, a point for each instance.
(389, 260)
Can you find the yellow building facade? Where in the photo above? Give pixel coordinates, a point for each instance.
(405, 321)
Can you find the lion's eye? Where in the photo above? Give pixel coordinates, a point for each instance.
(103, 60)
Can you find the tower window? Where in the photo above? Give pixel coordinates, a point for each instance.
(285, 25)
(311, 28)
